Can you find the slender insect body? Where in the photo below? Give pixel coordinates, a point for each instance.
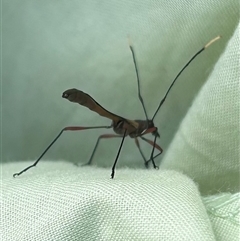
(132, 131)
(121, 126)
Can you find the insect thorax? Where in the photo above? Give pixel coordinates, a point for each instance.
(133, 131)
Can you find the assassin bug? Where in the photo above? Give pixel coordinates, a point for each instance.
(121, 126)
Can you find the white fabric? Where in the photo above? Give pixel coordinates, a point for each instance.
(87, 205)
(50, 46)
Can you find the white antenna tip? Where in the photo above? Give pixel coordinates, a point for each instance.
(212, 41)
(129, 41)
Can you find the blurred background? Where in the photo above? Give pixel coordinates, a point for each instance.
(51, 46)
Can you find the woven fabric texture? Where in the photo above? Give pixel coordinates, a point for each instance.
(51, 46)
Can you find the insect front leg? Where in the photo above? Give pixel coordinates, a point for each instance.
(141, 152)
(104, 136)
(153, 144)
(152, 157)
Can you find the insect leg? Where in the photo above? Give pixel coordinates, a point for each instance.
(140, 150)
(155, 156)
(68, 128)
(105, 136)
(154, 145)
(119, 150)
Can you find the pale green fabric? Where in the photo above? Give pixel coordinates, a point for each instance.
(50, 46)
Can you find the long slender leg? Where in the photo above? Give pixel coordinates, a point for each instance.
(119, 150)
(154, 145)
(155, 156)
(152, 153)
(153, 130)
(105, 136)
(68, 128)
(141, 152)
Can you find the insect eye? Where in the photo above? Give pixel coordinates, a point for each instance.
(65, 95)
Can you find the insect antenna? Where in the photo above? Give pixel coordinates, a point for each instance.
(138, 81)
(185, 66)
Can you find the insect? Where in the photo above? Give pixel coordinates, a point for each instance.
(121, 126)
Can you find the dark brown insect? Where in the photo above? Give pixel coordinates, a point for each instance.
(122, 127)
